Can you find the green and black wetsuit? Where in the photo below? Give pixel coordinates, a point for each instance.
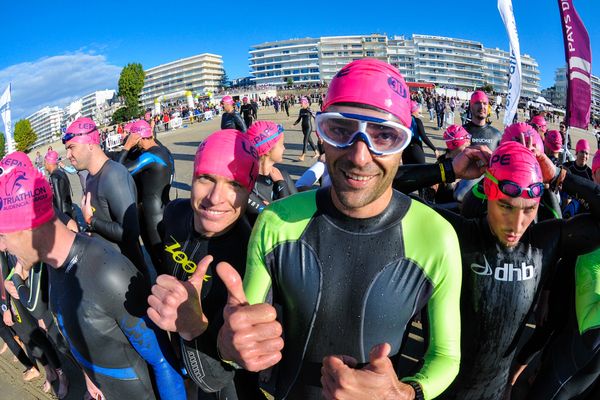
(345, 285)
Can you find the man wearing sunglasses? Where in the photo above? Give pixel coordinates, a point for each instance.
(505, 259)
(349, 265)
(109, 204)
(153, 173)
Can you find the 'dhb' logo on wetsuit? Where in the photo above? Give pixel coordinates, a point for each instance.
(182, 259)
(506, 273)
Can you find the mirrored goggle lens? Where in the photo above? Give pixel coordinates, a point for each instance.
(384, 137)
(513, 190)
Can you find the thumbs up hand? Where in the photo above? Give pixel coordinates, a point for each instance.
(175, 306)
(376, 380)
(251, 335)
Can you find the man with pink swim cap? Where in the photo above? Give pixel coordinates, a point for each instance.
(505, 258)
(97, 296)
(539, 124)
(200, 232)
(579, 166)
(481, 132)
(109, 204)
(272, 183)
(326, 259)
(61, 187)
(153, 171)
(553, 146)
(231, 119)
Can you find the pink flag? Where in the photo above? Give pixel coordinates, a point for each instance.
(578, 54)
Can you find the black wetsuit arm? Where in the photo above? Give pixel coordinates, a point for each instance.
(255, 204)
(122, 199)
(210, 374)
(30, 296)
(147, 340)
(423, 135)
(4, 296)
(299, 117)
(61, 194)
(284, 188)
(123, 156)
(417, 176)
(585, 189)
(240, 125)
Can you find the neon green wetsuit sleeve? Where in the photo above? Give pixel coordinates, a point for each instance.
(587, 295)
(439, 256)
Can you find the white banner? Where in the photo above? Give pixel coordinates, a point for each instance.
(5, 112)
(514, 85)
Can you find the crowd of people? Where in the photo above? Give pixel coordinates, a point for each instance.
(259, 285)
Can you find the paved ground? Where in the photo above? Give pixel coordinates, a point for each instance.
(183, 143)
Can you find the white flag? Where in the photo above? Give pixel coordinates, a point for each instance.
(514, 85)
(5, 113)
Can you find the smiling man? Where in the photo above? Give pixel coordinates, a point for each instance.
(348, 265)
(481, 132)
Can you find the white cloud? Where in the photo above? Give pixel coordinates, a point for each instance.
(57, 80)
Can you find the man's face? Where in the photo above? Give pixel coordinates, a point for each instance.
(20, 245)
(479, 109)
(228, 107)
(582, 158)
(218, 203)
(78, 154)
(510, 217)
(359, 178)
(562, 128)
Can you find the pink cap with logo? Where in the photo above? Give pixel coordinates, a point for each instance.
(228, 153)
(521, 130)
(374, 83)
(553, 141)
(456, 136)
(25, 200)
(83, 130)
(477, 96)
(142, 128)
(513, 162)
(227, 100)
(264, 135)
(15, 159)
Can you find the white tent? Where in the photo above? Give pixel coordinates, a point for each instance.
(542, 100)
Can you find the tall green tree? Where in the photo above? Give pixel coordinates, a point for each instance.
(2, 145)
(224, 80)
(24, 135)
(131, 83)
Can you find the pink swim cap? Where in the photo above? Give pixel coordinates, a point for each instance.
(513, 162)
(227, 100)
(147, 116)
(414, 107)
(51, 157)
(245, 99)
(553, 141)
(230, 154)
(513, 132)
(582, 145)
(25, 200)
(374, 83)
(15, 159)
(264, 135)
(82, 130)
(478, 95)
(303, 100)
(142, 128)
(540, 122)
(127, 127)
(456, 136)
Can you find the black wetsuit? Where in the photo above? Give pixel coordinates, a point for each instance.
(61, 188)
(115, 218)
(306, 115)
(487, 134)
(584, 172)
(501, 285)
(413, 154)
(37, 343)
(247, 112)
(344, 285)
(183, 249)
(153, 173)
(232, 120)
(267, 190)
(99, 300)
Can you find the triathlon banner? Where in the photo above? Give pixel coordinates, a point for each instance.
(5, 113)
(578, 55)
(514, 84)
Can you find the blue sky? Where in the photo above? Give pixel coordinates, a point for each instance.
(57, 51)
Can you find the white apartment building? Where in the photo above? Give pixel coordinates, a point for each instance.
(446, 62)
(93, 105)
(557, 94)
(46, 123)
(274, 63)
(198, 74)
